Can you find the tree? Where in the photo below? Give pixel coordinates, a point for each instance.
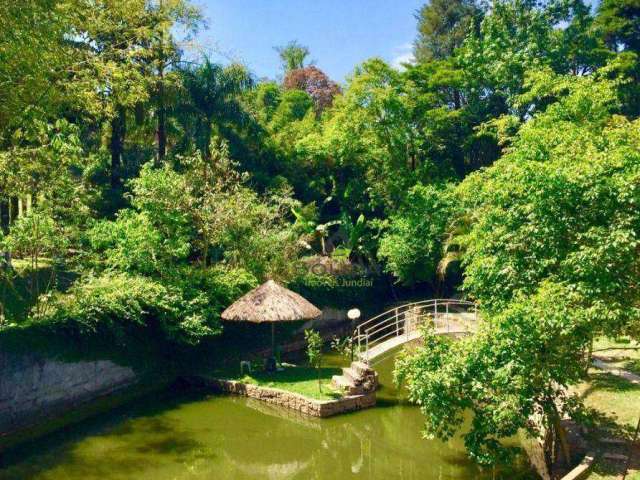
(164, 55)
(513, 371)
(373, 140)
(550, 252)
(315, 82)
(35, 236)
(442, 27)
(314, 352)
(521, 235)
(619, 21)
(213, 98)
(266, 99)
(582, 47)
(42, 169)
(32, 36)
(619, 24)
(412, 245)
(519, 36)
(110, 79)
(125, 51)
(293, 107)
(292, 55)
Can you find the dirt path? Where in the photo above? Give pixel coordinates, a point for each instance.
(601, 364)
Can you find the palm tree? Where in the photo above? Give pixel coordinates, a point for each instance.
(453, 248)
(212, 97)
(292, 55)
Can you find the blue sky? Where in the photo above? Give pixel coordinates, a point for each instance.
(339, 33)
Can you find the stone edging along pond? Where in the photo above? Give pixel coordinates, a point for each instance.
(293, 401)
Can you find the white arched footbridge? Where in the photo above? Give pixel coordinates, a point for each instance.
(381, 335)
(387, 331)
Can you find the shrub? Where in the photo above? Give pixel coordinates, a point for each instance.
(184, 309)
(118, 304)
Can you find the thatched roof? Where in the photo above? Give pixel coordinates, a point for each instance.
(270, 302)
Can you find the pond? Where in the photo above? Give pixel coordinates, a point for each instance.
(177, 435)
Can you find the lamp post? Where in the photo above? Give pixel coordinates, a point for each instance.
(353, 315)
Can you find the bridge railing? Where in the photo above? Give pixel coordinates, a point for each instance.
(445, 315)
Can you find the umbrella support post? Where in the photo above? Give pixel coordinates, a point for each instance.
(273, 339)
(271, 364)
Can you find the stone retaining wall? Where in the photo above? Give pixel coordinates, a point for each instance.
(33, 388)
(294, 401)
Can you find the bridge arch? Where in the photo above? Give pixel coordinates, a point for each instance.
(381, 334)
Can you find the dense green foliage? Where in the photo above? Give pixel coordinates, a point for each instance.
(443, 25)
(547, 236)
(507, 154)
(414, 241)
(550, 250)
(561, 205)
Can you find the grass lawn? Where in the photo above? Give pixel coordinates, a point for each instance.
(301, 378)
(615, 403)
(293, 378)
(614, 397)
(610, 472)
(297, 379)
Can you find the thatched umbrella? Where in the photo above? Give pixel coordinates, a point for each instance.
(271, 303)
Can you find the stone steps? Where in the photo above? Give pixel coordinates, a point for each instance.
(361, 368)
(346, 385)
(353, 375)
(357, 379)
(618, 457)
(613, 441)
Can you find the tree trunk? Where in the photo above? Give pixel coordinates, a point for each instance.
(456, 99)
(116, 145)
(588, 359)
(162, 119)
(561, 435)
(206, 151)
(162, 114)
(4, 216)
(13, 209)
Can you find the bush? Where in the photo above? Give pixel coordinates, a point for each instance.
(184, 309)
(118, 304)
(133, 244)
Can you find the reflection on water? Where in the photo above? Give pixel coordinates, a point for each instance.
(195, 436)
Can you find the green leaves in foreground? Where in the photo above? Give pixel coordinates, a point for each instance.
(511, 372)
(550, 249)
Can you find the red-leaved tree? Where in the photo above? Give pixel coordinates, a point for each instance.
(315, 82)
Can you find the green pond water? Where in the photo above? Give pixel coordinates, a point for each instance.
(176, 435)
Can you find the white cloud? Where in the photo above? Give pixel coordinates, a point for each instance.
(403, 54)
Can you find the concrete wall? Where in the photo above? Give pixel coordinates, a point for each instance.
(33, 388)
(329, 318)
